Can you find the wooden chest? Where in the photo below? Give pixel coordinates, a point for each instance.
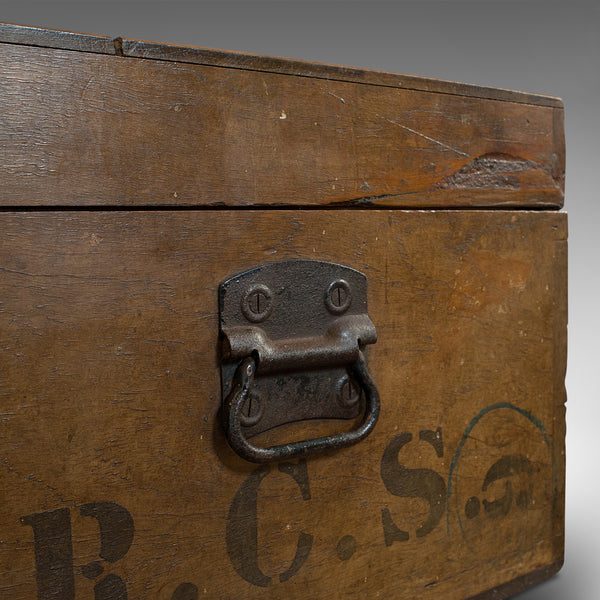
(198, 246)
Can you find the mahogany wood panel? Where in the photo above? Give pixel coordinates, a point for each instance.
(115, 473)
(85, 129)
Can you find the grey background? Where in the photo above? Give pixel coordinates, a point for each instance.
(537, 46)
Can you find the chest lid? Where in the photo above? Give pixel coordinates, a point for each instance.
(92, 121)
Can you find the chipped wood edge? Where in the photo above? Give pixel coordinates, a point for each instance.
(519, 584)
(54, 38)
(299, 68)
(130, 48)
(560, 394)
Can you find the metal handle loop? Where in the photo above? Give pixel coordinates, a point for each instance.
(242, 384)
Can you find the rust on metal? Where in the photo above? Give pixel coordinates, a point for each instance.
(300, 327)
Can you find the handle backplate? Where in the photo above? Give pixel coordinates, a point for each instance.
(292, 338)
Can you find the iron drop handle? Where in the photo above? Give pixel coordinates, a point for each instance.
(242, 386)
(292, 335)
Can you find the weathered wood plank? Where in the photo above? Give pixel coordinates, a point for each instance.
(286, 66)
(560, 393)
(81, 129)
(53, 38)
(110, 394)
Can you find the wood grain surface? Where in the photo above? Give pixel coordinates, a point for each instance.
(124, 46)
(86, 129)
(286, 66)
(54, 38)
(114, 472)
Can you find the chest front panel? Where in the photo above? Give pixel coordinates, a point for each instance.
(111, 397)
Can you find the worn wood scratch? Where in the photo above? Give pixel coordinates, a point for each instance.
(413, 131)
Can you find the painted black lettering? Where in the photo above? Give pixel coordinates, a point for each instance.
(116, 528)
(185, 591)
(53, 549)
(391, 532)
(110, 588)
(435, 439)
(242, 526)
(53, 554)
(507, 466)
(403, 482)
(116, 537)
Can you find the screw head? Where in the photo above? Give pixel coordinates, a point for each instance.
(252, 410)
(257, 303)
(348, 393)
(338, 297)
